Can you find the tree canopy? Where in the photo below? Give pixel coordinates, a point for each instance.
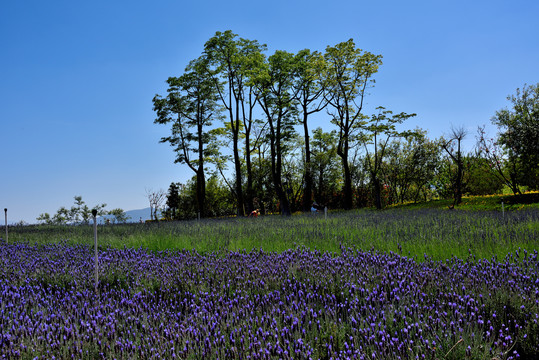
(242, 118)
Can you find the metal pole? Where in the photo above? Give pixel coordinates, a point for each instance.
(5, 211)
(94, 213)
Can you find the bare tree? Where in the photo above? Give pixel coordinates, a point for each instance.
(456, 136)
(500, 166)
(155, 198)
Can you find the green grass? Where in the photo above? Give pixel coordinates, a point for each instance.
(437, 233)
(499, 202)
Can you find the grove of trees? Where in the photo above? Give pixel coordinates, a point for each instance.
(80, 213)
(240, 120)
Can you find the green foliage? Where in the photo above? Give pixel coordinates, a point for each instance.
(376, 135)
(263, 101)
(119, 215)
(519, 133)
(325, 167)
(182, 201)
(411, 166)
(478, 179)
(78, 213)
(349, 72)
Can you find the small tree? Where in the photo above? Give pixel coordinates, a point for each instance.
(119, 215)
(173, 200)
(45, 218)
(379, 130)
(78, 213)
(456, 137)
(155, 198)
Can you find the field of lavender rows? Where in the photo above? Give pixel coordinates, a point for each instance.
(297, 304)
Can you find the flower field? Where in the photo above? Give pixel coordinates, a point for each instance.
(297, 304)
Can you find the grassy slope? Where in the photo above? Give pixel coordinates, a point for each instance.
(529, 200)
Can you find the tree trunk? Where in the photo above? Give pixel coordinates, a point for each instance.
(249, 190)
(320, 189)
(348, 201)
(377, 192)
(343, 153)
(201, 191)
(276, 166)
(460, 166)
(308, 191)
(237, 165)
(201, 181)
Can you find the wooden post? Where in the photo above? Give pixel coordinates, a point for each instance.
(94, 213)
(5, 211)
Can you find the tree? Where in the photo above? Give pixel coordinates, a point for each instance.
(45, 218)
(478, 177)
(78, 213)
(502, 165)
(456, 136)
(519, 133)
(309, 93)
(274, 86)
(378, 131)
(173, 200)
(119, 215)
(325, 166)
(234, 60)
(155, 198)
(349, 72)
(191, 106)
(411, 166)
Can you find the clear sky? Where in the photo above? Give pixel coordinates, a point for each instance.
(78, 78)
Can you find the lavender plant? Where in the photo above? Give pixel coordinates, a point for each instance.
(297, 304)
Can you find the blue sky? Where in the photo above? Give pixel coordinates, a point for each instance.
(78, 78)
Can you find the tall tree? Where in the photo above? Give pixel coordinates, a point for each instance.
(190, 106)
(349, 72)
(519, 133)
(325, 165)
(233, 59)
(309, 91)
(274, 85)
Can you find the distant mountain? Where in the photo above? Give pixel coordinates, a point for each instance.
(134, 215)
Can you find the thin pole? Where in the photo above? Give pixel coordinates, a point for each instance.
(5, 211)
(326, 212)
(94, 213)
